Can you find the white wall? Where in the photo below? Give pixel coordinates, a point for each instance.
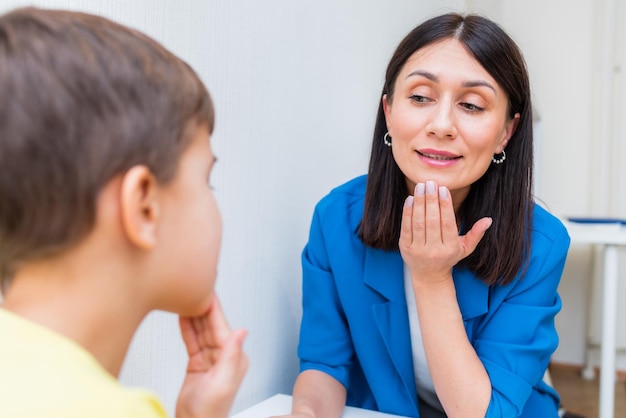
(296, 86)
(577, 90)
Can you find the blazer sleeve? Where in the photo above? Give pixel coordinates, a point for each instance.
(325, 342)
(519, 336)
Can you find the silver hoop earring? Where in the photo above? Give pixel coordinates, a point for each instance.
(387, 139)
(499, 160)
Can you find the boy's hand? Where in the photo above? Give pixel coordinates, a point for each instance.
(217, 365)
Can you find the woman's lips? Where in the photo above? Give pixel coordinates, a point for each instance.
(438, 155)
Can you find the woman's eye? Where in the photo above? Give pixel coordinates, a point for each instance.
(472, 107)
(419, 99)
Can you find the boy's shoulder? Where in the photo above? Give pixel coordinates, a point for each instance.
(47, 374)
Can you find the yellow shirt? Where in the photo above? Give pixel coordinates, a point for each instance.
(43, 374)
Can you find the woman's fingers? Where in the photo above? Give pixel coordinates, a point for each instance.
(406, 231)
(431, 215)
(429, 221)
(418, 223)
(429, 237)
(470, 241)
(433, 235)
(449, 229)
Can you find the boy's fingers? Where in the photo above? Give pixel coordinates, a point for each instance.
(208, 331)
(218, 329)
(190, 338)
(232, 363)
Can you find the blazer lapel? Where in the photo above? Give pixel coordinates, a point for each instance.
(383, 272)
(473, 297)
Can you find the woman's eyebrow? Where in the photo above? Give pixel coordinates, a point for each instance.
(434, 78)
(479, 83)
(425, 74)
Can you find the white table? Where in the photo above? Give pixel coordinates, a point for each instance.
(610, 237)
(281, 405)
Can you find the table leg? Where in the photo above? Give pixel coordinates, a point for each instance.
(609, 312)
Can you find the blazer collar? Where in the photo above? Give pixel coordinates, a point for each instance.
(383, 272)
(471, 293)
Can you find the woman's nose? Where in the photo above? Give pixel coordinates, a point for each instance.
(442, 123)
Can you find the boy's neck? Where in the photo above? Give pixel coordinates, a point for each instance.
(97, 310)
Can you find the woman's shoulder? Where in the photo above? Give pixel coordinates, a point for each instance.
(548, 229)
(345, 194)
(343, 204)
(354, 187)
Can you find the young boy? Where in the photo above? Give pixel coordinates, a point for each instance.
(105, 215)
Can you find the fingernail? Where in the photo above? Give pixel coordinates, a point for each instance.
(409, 201)
(430, 187)
(419, 189)
(443, 192)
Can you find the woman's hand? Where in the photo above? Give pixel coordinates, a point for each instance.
(431, 246)
(217, 365)
(430, 243)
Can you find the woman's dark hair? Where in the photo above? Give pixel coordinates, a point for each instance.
(504, 192)
(84, 99)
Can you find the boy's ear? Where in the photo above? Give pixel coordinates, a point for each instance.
(139, 206)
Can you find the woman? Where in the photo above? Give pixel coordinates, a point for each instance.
(441, 303)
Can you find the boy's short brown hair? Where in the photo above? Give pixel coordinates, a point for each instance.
(83, 100)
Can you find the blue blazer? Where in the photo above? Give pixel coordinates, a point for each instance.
(355, 325)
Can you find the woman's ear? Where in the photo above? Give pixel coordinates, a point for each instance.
(140, 207)
(509, 130)
(386, 110)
